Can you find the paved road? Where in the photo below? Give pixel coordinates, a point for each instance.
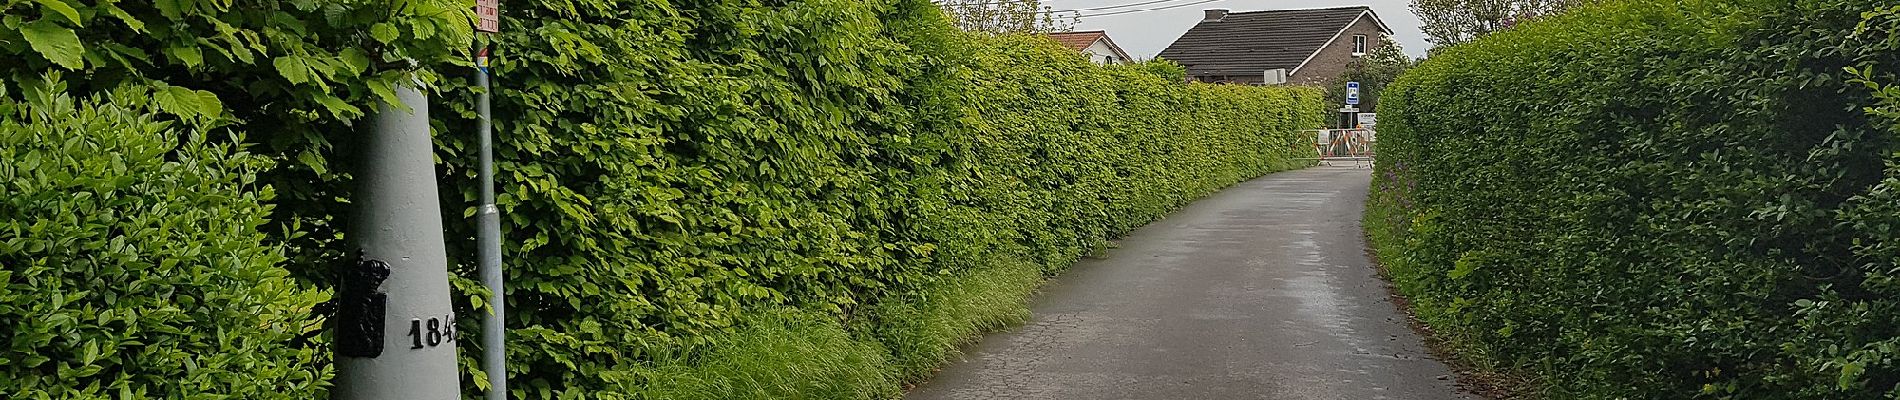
(1262, 291)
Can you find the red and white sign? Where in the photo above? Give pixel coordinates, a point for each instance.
(488, 15)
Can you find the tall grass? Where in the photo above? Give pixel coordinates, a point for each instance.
(777, 355)
(922, 334)
(789, 354)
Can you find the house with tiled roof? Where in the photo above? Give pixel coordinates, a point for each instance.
(1305, 46)
(1095, 44)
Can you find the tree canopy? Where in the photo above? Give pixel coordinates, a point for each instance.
(1005, 16)
(1373, 71)
(1449, 22)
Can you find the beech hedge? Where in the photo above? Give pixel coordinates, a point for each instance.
(131, 265)
(676, 178)
(1657, 199)
(667, 190)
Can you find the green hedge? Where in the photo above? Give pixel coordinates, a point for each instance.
(689, 188)
(867, 153)
(1657, 199)
(131, 265)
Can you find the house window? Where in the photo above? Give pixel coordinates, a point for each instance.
(1358, 44)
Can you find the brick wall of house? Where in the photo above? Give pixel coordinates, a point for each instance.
(1253, 79)
(1332, 59)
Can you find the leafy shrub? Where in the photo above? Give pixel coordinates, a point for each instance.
(680, 180)
(667, 179)
(131, 265)
(1656, 199)
(302, 70)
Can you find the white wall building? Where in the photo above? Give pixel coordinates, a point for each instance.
(1095, 44)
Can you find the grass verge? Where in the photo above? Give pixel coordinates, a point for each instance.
(924, 333)
(776, 355)
(789, 354)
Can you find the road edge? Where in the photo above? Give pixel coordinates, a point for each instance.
(1472, 374)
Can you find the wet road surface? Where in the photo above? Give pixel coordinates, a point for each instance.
(1261, 291)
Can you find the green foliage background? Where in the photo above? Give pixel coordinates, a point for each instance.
(131, 265)
(1374, 72)
(701, 198)
(1657, 199)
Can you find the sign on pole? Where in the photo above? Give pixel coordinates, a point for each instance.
(1368, 120)
(1352, 93)
(488, 223)
(487, 16)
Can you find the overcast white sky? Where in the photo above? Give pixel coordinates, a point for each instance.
(1143, 34)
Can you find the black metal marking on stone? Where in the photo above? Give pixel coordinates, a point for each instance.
(361, 305)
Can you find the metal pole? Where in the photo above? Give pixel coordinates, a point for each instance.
(494, 354)
(395, 334)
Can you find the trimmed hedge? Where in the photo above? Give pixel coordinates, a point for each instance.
(1656, 199)
(870, 151)
(131, 265)
(691, 187)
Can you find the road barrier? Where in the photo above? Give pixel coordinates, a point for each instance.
(1352, 146)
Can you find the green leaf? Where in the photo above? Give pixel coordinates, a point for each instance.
(57, 43)
(190, 56)
(384, 32)
(386, 93)
(422, 29)
(338, 107)
(310, 159)
(171, 9)
(1461, 268)
(292, 68)
(355, 60)
(185, 102)
(305, 5)
(116, 12)
(1850, 374)
(66, 10)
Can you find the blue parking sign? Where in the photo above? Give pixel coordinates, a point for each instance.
(1352, 93)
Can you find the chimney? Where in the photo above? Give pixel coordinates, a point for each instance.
(1215, 15)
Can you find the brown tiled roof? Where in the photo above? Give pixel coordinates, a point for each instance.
(1080, 40)
(1077, 40)
(1255, 41)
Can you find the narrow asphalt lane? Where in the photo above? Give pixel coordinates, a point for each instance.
(1261, 291)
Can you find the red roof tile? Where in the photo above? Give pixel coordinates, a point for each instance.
(1077, 40)
(1081, 40)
